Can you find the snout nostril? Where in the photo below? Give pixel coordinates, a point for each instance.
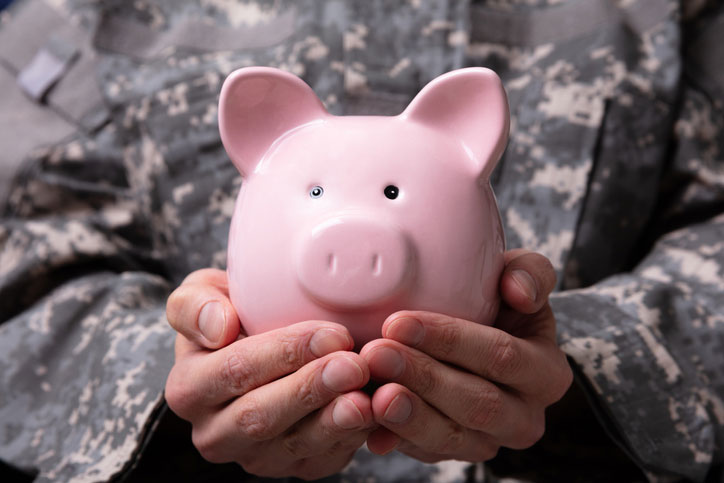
(332, 263)
(376, 264)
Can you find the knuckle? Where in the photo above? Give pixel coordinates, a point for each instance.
(179, 394)
(254, 465)
(174, 307)
(489, 452)
(533, 431)
(485, 408)
(548, 275)
(560, 382)
(334, 450)
(204, 276)
(425, 378)
(295, 446)
(312, 469)
(428, 458)
(308, 393)
(207, 447)
(237, 373)
(311, 475)
(252, 422)
(294, 350)
(537, 430)
(307, 471)
(448, 338)
(332, 432)
(246, 460)
(345, 448)
(566, 379)
(451, 442)
(431, 459)
(506, 357)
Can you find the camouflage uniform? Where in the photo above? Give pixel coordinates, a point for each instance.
(120, 187)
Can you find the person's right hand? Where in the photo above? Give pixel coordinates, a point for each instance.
(281, 403)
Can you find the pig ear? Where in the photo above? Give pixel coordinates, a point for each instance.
(257, 106)
(469, 105)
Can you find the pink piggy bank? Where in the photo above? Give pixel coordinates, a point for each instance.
(351, 218)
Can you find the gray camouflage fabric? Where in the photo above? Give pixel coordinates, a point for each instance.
(614, 170)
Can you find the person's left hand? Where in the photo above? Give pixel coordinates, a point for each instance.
(460, 390)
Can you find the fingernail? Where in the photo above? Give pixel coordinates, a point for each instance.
(386, 363)
(342, 374)
(326, 341)
(526, 283)
(346, 415)
(212, 321)
(407, 330)
(399, 409)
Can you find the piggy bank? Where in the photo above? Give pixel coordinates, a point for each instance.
(351, 218)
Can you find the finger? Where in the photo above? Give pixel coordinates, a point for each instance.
(272, 409)
(184, 348)
(514, 253)
(488, 452)
(424, 427)
(477, 403)
(486, 351)
(540, 326)
(382, 441)
(527, 281)
(203, 314)
(327, 438)
(209, 379)
(315, 468)
(208, 276)
(340, 426)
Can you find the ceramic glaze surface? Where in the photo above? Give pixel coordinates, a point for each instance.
(349, 219)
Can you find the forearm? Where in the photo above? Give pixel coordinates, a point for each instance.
(649, 346)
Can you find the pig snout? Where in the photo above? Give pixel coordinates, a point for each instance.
(352, 263)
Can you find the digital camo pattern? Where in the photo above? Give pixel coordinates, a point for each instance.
(614, 171)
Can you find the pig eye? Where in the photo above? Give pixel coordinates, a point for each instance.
(392, 191)
(316, 192)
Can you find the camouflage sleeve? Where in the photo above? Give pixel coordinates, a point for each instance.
(650, 345)
(85, 343)
(650, 342)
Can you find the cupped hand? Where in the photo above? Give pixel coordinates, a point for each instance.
(281, 403)
(455, 389)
